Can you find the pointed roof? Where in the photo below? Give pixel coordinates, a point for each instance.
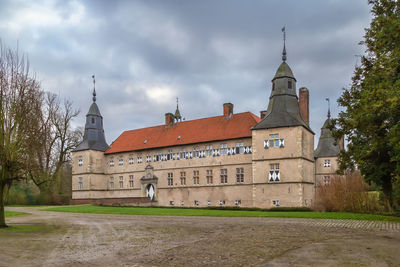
(284, 71)
(327, 145)
(283, 108)
(186, 132)
(93, 138)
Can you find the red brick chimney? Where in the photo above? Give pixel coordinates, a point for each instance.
(228, 109)
(263, 113)
(169, 119)
(304, 97)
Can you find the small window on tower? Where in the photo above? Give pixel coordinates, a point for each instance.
(273, 86)
(290, 84)
(93, 120)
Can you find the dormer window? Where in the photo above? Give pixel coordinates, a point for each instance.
(290, 86)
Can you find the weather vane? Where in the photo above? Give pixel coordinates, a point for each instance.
(329, 108)
(94, 88)
(284, 43)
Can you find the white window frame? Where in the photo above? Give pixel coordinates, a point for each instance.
(80, 161)
(131, 160)
(80, 183)
(111, 163)
(120, 161)
(131, 183)
(327, 163)
(274, 173)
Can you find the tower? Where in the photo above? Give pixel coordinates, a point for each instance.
(88, 158)
(283, 147)
(326, 154)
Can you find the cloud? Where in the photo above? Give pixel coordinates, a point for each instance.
(147, 53)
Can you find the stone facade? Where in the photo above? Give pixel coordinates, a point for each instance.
(230, 160)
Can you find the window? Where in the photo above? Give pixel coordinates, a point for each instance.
(111, 182)
(222, 202)
(290, 84)
(274, 141)
(274, 172)
(170, 179)
(121, 182)
(208, 202)
(183, 178)
(238, 202)
(80, 183)
(196, 151)
(275, 203)
(196, 202)
(80, 161)
(327, 163)
(196, 179)
(209, 176)
(93, 120)
(172, 203)
(130, 160)
(224, 176)
(327, 180)
(182, 203)
(139, 159)
(239, 148)
(224, 149)
(240, 175)
(121, 162)
(182, 153)
(148, 158)
(131, 181)
(111, 163)
(209, 150)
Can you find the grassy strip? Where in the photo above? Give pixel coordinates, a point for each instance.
(221, 213)
(14, 213)
(29, 228)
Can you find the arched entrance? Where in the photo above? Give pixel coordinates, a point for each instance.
(150, 191)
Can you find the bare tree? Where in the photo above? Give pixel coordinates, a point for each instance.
(56, 143)
(21, 100)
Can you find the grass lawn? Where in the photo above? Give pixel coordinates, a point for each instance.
(29, 228)
(222, 213)
(14, 213)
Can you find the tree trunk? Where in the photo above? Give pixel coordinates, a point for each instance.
(387, 189)
(2, 215)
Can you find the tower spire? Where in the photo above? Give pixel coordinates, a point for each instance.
(329, 108)
(284, 44)
(178, 116)
(94, 88)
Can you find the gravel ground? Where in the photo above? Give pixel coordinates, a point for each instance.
(127, 240)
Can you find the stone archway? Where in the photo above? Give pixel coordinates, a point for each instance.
(149, 183)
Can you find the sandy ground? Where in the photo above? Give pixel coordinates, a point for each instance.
(125, 240)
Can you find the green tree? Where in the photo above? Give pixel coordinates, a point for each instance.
(20, 108)
(371, 120)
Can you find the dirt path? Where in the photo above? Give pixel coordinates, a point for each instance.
(124, 240)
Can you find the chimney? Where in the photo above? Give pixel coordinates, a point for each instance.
(303, 103)
(228, 109)
(341, 143)
(263, 113)
(169, 119)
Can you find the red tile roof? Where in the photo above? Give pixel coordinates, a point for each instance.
(190, 132)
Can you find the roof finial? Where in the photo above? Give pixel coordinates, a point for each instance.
(94, 88)
(329, 108)
(178, 116)
(284, 44)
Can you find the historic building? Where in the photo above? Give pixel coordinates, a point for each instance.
(235, 159)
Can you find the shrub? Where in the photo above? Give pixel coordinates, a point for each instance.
(347, 193)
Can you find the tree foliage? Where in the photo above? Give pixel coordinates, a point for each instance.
(371, 120)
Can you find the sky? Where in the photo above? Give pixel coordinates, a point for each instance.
(145, 54)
